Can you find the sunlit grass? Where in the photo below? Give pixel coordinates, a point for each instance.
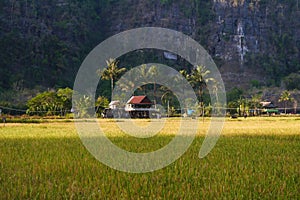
(254, 158)
(263, 126)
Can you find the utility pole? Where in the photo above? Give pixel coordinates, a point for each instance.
(203, 113)
(168, 108)
(3, 118)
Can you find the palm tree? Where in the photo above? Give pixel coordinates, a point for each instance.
(145, 75)
(112, 71)
(215, 88)
(255, 103)
(141, 77)
(184, 74)
(167, 98)
(199, 78)
(243, 104)
(154, 73)
(285, 97)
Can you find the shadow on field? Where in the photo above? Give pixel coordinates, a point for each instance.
(239, 166)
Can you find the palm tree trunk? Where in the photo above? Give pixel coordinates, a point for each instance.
(285, 107)
(154, 92)
(112, 86)
(201, 100)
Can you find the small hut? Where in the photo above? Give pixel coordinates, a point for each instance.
(112, 111)
(114, 104)
(268, 107)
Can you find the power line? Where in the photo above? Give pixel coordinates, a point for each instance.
(24, 111)
(12, 109)
(224, 108)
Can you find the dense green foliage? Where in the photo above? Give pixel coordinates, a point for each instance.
(51, 103)
(43, 43)
(285, 97)
(292, 81)
(111, 72)
(59, 103)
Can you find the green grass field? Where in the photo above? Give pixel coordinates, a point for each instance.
(255, 158)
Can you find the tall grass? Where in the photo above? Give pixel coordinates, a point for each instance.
(254, 159)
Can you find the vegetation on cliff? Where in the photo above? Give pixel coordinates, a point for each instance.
(43, 43)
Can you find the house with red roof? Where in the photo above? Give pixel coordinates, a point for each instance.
(139, 107)
(136, 107)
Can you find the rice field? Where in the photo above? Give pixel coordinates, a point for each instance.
(255, 158)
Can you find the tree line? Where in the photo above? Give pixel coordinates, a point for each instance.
(59, 102)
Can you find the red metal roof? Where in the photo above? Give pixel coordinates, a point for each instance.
(139, 100)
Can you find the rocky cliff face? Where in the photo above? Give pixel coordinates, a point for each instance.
(44, 42)
(251, 40)
(250, 30)
(129, 14)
